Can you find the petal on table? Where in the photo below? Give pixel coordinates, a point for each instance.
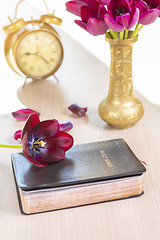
(66, 126)
(79, 111)
(18, 134)
(23, 114)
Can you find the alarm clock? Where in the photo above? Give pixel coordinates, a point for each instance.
(33, 48)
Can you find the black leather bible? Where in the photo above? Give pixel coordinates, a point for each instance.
(90, 173)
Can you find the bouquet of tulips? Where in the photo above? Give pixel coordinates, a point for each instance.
(114, 17)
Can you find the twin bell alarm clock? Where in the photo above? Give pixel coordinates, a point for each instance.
(33, 49)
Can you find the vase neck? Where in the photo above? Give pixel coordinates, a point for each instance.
(121, 71)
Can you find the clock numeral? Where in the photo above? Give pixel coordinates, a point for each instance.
(24, 63)
(31, 68)
(52, 59)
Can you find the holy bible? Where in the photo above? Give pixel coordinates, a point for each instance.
(90, 173)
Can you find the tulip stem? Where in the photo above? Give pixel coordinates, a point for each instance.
(10, 146)
(135, 32)
(121, 34)
(140, 28)
(125, 34)
(108, 35)
(113, 34)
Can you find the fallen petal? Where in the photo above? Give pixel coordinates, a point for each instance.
(79, 111)
(23, 114)
(18, 134)
(66, 126)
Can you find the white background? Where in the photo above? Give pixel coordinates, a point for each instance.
(146, 54)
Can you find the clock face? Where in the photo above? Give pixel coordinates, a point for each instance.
(39, 54)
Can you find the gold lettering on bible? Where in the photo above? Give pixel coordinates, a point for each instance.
(106, 159)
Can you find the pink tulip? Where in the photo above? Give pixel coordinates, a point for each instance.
(43, 142)
(122, 14)
(92, 15)
(149, 11)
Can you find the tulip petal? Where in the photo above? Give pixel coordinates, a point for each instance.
(86, 13)
(123, 20)
(119, 6)
(18, 134)
(79, 111)
(62, 140)
(105, 2)
(142, 6)
(153, 3)
(101, 12)
(29, 153)
(23, 114)
(112, 24)
(135, 19)
(96, 26)
(81, 24)
(33, 160)
(30, 123)
(66, 126)
(75, 7)
(45, 129)
(149, 17)
(50, 155)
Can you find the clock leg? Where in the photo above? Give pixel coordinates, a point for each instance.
(25, 81)
(56, 78)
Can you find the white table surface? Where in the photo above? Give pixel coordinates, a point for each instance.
(83, 80)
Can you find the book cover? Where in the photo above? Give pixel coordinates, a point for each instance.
(85, 166)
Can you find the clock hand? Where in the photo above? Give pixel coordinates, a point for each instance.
(37, 53)
(44, 59)
(28, 53)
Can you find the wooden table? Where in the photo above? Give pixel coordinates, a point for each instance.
(84, 80)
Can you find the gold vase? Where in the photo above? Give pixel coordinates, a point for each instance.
(121, 109)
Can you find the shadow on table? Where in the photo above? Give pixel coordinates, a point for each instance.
(42, 94)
